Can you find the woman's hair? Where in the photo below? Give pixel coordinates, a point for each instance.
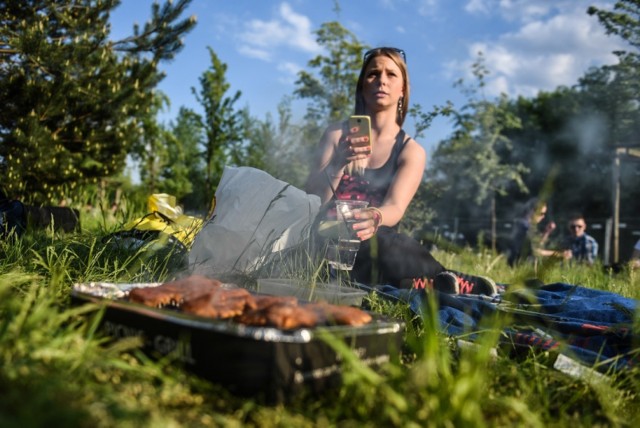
(398, 59)
(403, 106)
(533, 206)
(530, 207)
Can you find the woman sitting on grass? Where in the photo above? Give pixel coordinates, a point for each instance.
(387, 177)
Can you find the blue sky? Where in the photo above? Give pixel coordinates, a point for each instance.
(529, 45)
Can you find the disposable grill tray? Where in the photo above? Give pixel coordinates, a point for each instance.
(264, 362)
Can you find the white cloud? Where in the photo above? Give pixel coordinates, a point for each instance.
(260, 39)
(516, 10)
(425, 7)
(290, 72)
(526, 10)
(543, 53)
(428, 7)
(251, 52)
(529, 10)
(477, 6)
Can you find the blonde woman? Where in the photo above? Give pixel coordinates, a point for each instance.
(387, 177)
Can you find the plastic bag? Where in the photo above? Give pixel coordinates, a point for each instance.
(255, 216)
(164, 228)
(166, 217)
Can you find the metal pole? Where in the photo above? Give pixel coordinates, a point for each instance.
(607, 240)
(616, 206)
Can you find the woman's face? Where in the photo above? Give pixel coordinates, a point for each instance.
(538, 215)
(383, 83)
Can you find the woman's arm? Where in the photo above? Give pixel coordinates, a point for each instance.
(333, 154)
(540, 250)
(411, 166)
(404, 186)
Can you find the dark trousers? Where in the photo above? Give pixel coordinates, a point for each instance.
(390, 257)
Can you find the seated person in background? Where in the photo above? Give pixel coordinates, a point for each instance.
(527, 243)
(580, 246)
(635, 257)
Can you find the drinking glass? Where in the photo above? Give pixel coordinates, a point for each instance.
(345, 212)
(341, 252)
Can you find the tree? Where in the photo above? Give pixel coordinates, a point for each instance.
(623, 21)
(469, 162)
(274, 146)
(184, 175)
(73, 97)
(151, 149)
(332, 92)
(622, 79)
(221, 122)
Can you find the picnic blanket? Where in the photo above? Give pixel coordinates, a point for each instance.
(592, 326)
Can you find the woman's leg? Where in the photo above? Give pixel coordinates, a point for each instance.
(395, 259)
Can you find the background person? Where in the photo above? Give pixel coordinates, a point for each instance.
(387, 177)
(581, 247)
(527, 242)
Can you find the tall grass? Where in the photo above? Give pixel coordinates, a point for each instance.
(57, 369)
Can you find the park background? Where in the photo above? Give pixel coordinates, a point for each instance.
(83, 107)
(510, 99)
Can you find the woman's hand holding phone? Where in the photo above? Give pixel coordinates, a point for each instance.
(360, 135)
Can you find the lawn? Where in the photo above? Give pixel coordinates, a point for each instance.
(58, 369)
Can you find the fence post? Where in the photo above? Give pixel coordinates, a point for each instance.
(607, 240)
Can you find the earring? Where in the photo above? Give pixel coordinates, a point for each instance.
(400, 103)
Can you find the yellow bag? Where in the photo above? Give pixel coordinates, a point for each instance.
(165, 217)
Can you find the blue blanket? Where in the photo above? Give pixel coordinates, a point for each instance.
(595, 327)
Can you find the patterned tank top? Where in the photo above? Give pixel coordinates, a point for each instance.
(374, 184)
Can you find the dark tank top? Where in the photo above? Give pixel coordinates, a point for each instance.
(374, 184)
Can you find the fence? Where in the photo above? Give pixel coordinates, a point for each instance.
(469, 231)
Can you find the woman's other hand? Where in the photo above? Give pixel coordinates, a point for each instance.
(371, 219)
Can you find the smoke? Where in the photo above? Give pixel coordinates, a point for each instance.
(589, 131)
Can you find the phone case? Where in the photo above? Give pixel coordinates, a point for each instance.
(363, 123)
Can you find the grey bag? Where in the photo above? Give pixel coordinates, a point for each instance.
(256, 216)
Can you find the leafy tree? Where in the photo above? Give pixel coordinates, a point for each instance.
(274, 146)
(469, 162)
(623, 21)
(151, 148)
(223, 125)
(73, 97)
(568, 136)
(622, 79)
(184, 175)
(624, 89)
(332, 91)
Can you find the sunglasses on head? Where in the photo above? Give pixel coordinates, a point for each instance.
(368, 53)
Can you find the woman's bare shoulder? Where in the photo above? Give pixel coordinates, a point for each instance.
(413, 148)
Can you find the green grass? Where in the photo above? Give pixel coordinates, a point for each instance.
(56, 369)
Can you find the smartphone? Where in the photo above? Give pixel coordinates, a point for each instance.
(363, 123)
